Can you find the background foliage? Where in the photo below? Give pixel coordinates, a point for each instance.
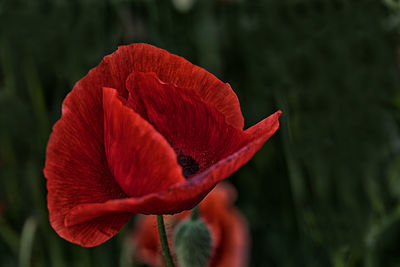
(324, 191)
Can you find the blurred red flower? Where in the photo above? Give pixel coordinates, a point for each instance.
(229, 232)
(143, 132)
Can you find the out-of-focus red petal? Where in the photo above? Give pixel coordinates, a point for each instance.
(139, 158)
(191, 125)
(218, 211)
(146, 240)
(171, 69)
(76, 168)
(185, 195)
(236, 241)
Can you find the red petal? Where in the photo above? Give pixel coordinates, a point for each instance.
(97, 231)
(265, 128)
(187, 122)
(76, 168)
(140, 159)
(115, 68)
(186, 195)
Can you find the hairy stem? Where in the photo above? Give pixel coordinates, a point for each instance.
(164, 241)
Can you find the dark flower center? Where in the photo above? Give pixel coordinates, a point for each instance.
(189, 165)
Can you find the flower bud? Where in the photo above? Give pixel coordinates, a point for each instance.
(192, 243)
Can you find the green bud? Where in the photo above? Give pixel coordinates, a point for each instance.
(192, 243)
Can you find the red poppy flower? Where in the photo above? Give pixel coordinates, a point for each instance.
(143, 132)
(229, 232)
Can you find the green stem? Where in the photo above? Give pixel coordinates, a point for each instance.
(195, 214)
(164, 241)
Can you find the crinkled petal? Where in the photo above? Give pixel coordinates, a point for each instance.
(186, 195)
(171, 69)
(139, 158)
(190, 125)
(76, 168)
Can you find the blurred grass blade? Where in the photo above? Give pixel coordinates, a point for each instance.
(35, 89)
(27, 238)
(126, 255)
(296, 180)
(7, 70)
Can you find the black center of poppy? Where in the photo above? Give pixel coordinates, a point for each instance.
(189, 165)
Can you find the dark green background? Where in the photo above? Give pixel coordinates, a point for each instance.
(324, 191)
